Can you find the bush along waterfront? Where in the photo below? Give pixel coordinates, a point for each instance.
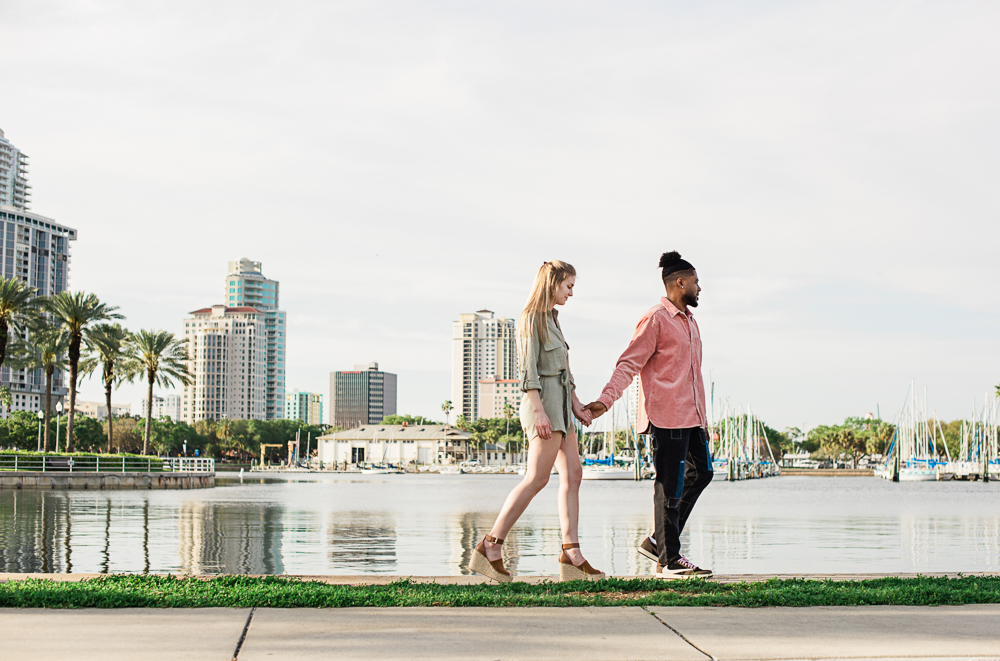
(136, 591)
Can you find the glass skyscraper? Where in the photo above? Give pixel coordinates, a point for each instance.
(246, 286)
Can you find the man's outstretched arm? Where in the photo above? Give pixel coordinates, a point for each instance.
(639, 350)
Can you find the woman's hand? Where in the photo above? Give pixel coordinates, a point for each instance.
(543, 426)
(582, 414)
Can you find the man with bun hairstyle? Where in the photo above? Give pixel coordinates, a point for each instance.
(665, 352)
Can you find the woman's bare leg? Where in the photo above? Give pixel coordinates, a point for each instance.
(541, 456)
(570, 475)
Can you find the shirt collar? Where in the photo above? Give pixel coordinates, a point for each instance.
(672, 309)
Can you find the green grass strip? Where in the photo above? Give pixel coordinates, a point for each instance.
(136, 591)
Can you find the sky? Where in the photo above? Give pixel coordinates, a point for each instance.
(829, 168)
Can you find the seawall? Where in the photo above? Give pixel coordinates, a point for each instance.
(105, 481)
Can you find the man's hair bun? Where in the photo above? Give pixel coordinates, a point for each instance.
(669, 259)
(671, 262)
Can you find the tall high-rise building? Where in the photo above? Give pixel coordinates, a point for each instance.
(304, 406)
(226, 359)
(484, 346)
(14, 189)
(361, 397)
(247, 286)
(36, 251)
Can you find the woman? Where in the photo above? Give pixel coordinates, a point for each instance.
(547, 409)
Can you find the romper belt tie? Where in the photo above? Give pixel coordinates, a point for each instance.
(567, 398)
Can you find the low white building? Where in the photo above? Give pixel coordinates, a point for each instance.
(394, 444)
(99, 410)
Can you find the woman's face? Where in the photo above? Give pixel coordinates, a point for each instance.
(565, 290)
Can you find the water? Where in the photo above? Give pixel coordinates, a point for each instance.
(428, 525)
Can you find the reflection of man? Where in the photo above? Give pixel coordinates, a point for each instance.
(666, 353)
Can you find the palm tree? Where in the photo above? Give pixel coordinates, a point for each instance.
(17, 302)
(107, 347)
(447, 407)
(45, 350)
(508, 412)
(160, 358)
(75, 311)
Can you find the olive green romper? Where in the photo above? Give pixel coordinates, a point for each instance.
(544, 366)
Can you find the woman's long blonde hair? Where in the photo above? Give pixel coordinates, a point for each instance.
(534, 316)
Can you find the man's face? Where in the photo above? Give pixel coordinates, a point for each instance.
(691, 290)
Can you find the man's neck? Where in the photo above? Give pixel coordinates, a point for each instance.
(677, 298)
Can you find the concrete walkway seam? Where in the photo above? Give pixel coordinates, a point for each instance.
(243, 636)
(679, 634)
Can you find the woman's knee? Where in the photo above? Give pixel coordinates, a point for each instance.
(535, 482)
(574, 475)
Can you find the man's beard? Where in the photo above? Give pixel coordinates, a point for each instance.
(691, 300)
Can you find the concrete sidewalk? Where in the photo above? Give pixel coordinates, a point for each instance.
(584, 634)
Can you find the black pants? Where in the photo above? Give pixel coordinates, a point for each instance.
(683, 465)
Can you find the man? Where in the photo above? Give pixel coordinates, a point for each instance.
(666, 353)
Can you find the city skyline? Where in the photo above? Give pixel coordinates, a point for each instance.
(451, 153)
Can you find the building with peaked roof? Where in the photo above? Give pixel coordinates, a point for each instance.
(400, 445)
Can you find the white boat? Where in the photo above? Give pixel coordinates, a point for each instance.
(608, 473)
(381, 470)
(917, 475)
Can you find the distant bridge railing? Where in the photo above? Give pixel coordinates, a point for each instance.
(189, 464)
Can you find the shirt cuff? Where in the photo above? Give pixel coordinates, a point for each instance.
(604, 399)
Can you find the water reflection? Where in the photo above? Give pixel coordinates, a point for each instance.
(429, 525)
(360, 543)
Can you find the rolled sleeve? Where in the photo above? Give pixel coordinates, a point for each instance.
(529, 363)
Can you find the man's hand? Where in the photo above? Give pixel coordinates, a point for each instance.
(596, 409)
(582, 414)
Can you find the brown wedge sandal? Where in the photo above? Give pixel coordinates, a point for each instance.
(581, 572)
(489, 568)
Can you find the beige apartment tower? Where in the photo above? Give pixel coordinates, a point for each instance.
(484, 346)
(226, 357)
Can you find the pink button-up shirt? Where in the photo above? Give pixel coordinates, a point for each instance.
(666, 353)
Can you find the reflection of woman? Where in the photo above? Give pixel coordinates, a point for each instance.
(547, 410)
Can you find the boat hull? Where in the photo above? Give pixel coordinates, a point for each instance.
(608, 474)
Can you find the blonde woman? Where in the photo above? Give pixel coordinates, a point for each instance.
(547, 409)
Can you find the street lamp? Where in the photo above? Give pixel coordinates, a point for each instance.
(185, 447)
(41, 416)
(59, 408)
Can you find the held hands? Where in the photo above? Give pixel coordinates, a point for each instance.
(596, 409)
(582, 414)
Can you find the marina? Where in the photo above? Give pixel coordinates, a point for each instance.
(918, 451)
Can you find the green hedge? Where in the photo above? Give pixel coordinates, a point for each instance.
(26, 460)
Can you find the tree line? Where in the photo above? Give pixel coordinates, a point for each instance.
(232, 440)
(77, 333)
